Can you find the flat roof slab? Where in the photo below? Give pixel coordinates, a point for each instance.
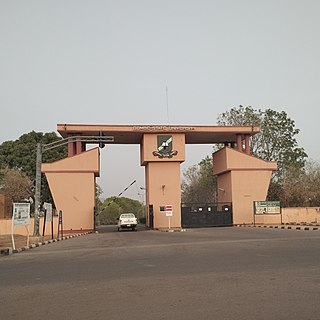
(132, 134)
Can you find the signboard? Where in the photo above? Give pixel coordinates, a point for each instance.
(267, 207)
(169, 210)
(21, 214)
(48, 207)
(20, 217)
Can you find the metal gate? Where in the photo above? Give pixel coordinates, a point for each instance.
(197, 215)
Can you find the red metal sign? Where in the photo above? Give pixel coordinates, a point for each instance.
(168, 210)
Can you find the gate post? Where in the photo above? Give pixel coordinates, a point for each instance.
(161, 155)
(151, 216)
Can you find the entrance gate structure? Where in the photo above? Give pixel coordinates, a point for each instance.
(241, 177)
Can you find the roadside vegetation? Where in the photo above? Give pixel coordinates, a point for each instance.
(17, 165)
(113, 207)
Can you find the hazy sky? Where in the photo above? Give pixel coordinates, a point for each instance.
(109, 62)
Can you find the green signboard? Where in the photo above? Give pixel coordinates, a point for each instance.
(267, 207)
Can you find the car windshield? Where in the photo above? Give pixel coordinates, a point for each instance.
(127, 215)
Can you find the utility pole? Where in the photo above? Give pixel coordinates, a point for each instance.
(37, 199)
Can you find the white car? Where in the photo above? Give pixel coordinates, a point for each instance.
(127, 221)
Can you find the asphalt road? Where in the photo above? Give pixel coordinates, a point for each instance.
(217, 273)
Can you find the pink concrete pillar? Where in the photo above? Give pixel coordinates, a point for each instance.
(78, 146)
(247, 144)
(239, 142)
(71, 148)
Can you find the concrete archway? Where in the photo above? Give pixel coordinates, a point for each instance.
(162, 150)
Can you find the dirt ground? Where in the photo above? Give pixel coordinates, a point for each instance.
(20, 241)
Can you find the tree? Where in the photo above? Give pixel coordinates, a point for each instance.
(277, 138)
(110, 214)
(114, 206)
(21, 154)
(299, 188)
(292, 189)
(312, 170)
(16, 185)
(242, 116)
(98, 204)
(199, 184)
(277, 141)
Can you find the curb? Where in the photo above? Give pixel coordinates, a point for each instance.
(288, 227)
(171, 230)
(8, 251)
(5, 251)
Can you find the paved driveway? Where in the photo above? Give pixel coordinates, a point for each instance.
(217, 273)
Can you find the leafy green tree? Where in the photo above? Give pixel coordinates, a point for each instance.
(199, 183)
(241, 116)
(110, 214)
(98, 204)
(130, 205)
(276, 140)
(21, 154)
(114, 206)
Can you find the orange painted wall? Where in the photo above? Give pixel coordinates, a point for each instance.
(159, 174)
(268, 219)
(248, 186)
(6, 227)
(241, 180)
(88, 161)
(224, 187)
(301, 215)
(73, 193)
(72, 184)
(228, 159)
